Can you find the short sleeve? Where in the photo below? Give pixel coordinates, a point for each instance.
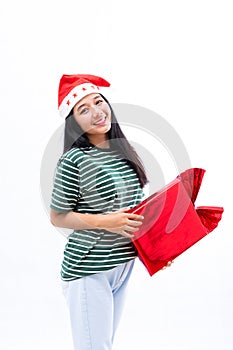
(66, 191)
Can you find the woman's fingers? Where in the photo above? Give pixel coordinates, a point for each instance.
(135, 217)
(122, 223)
(130, 228)
(126, 234)
(130, 215)
(134, 223)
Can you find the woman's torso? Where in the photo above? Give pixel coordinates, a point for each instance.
(94, 181)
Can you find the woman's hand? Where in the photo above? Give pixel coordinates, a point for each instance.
(121, 222)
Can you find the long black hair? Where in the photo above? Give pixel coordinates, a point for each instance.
(75, 137)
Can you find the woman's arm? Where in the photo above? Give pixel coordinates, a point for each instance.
(118, 222)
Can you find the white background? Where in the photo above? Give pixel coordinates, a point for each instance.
(174, 57)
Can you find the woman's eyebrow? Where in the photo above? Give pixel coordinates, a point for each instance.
(81, 106)
(97, 96)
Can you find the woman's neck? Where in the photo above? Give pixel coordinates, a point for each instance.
(100, 141)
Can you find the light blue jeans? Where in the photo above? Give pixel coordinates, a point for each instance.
(95, 305)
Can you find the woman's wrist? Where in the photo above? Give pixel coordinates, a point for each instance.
(98, 220)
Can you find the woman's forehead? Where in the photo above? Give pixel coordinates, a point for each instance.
(87, 99)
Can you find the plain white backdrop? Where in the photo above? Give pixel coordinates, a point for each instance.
(173, 57)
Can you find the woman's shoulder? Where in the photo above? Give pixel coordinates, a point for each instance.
(74, 155)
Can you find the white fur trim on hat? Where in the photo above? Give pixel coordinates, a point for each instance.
(75, 95)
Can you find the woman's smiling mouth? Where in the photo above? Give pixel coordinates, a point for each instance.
(101, 121)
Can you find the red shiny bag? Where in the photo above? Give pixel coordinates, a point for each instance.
(171, 222)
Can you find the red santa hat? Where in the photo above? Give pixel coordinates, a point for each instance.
(73, 88)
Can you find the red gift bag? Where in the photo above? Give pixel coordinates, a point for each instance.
(171, 222)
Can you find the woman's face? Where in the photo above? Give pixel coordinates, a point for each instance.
(93, 115)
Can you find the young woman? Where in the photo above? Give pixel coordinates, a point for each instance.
(98, 177)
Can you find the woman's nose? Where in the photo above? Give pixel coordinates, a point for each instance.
(96, 111)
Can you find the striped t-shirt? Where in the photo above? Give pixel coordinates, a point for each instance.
(94, 181)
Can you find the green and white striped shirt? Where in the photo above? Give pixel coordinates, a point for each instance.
(94, 181)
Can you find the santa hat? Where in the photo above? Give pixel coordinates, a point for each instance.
(73, 88)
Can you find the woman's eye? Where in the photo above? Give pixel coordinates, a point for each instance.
(83, 111)
(99, 102)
